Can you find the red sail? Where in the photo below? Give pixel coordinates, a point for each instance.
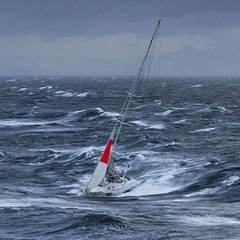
(106, 152)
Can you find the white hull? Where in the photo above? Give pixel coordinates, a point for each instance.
(112, 189)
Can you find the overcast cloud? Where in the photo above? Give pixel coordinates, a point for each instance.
(107, 37)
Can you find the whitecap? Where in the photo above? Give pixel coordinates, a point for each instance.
(205, 191)
(167, 112)
(140, 123)
(45, 88)
(19, 123)
(52, 202)
(12, 80)
(157, 102)
(156, 126)
(22, 89)
(223, 109)
(85, 94)
(87, 152)
(230, 181)
(154, 186)
(71, 116)
(179, 108)
(110, 114)
(64, 94)
(221, 187)
(196, 86)
(209, 220)
(180, 121)
(147, 125)
(99, 110)
(71, 94)
(203, 130)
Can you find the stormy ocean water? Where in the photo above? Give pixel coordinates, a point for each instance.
(181, 146)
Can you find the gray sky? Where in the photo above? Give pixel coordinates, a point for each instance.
(108, 37)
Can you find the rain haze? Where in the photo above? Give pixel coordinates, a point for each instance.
(108, 37)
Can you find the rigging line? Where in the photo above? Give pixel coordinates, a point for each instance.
(149, 64)
(159, 53)
(133, 87)
(147, 67)
(144, 61)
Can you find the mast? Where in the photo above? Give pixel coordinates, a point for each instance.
(106, 163)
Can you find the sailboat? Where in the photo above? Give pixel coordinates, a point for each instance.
(106, 178)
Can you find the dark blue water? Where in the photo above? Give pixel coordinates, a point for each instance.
(181, 147)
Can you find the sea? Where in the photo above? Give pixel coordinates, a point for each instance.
(180, 144)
